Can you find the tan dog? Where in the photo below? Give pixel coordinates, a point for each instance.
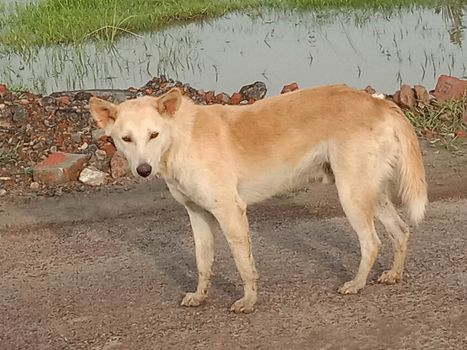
(218, 159)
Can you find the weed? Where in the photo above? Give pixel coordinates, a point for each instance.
(440, 122)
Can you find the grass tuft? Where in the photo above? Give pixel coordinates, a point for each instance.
(48, 22)
(440, 122)
(9, 155)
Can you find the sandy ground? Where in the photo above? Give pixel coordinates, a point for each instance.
(107, 270)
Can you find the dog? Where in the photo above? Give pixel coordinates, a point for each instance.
(218, 159)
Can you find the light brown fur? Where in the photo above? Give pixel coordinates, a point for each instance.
(218, 159)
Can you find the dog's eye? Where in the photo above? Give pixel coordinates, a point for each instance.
(153, 135)
(126, 138)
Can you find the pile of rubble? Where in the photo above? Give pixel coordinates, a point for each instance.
(47, 143)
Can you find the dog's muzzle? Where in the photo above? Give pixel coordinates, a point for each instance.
(144, 170)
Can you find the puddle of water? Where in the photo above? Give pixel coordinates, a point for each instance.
(412, 46)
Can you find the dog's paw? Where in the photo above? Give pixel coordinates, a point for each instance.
(390, 277)
(193, 299)
(244, 305)
(351, 287)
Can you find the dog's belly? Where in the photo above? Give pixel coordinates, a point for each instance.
(270, 183)
(275, 178)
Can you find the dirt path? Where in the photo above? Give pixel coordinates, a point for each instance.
(107, 271)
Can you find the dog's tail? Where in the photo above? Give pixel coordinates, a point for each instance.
(412, 182)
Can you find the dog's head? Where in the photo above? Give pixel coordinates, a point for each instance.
(140, 128)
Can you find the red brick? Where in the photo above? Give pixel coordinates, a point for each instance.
(119, 166)
(60, 168)
(3, 90)
(209, 97)
(289, 88)
(448, 88)
(407, 97)
(109, 149)
(236, 98)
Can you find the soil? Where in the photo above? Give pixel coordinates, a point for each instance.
(107, 270)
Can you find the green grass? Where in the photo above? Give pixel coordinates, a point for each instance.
(440, 122)
(74, 21)
(9, 155)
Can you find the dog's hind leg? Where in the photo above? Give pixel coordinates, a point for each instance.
(233, 221)
(358, 201)
(399, 233)
(204, 226)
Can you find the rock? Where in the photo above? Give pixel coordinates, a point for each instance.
(236, 98)
(63, 101)
(369, 90)
(448, 88)
(83, 96)
(92, 176)
(34, 186)
(59, 168)
(422, 95)
(46, 101)
(407, 97)
(289, 88)
(76, 137)
(2, 192)
(223, 98)
(101, 161)
(96, 134)
(20, 113)
(255, 91)
(119, 166)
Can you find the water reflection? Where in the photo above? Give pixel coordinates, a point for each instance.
(359, 48)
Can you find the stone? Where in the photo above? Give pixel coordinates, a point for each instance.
(289, 88)
(369, 90)
(449, 88)
(59, 168)
(119, 166)
(92, 176)
(76, 137)
(96, 134)
(223, 98)
(255, 91)
(20, 113)
(236, 98)
(83, 96)
(63, 101)
(407, 97)
(3, 192)
(47, 101)
(34, 185)
(422, 95)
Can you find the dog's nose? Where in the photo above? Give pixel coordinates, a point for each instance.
(144, 169)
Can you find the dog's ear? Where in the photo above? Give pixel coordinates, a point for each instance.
(103, 112)
(169, 103)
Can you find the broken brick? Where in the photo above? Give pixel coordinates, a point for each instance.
(60, 168)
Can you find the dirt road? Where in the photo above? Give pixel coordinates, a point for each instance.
(108, 270)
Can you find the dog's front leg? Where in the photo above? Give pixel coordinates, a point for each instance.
(203, 225)
(234, 224)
